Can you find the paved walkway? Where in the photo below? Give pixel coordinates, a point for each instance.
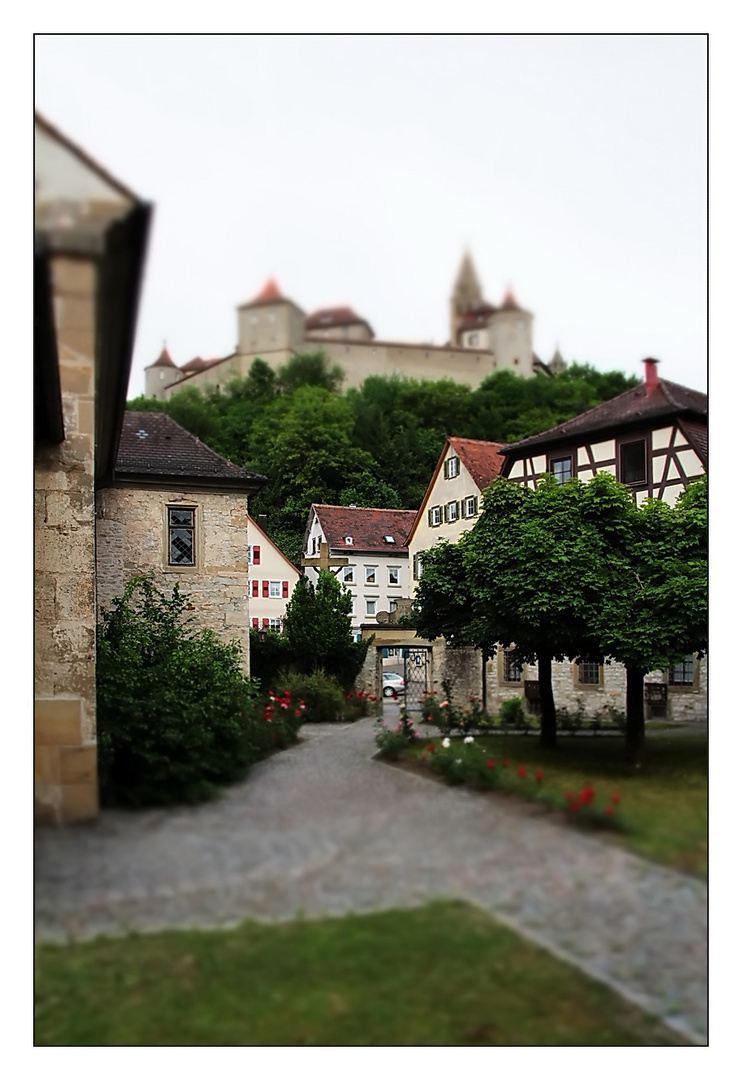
(324, 829)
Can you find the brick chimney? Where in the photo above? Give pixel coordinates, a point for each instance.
(651, 378)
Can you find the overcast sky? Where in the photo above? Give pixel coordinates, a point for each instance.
(356, 170)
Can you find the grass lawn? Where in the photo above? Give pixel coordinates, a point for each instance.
(444, 974)
(663, 807)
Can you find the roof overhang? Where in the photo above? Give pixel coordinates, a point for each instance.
(168, 482)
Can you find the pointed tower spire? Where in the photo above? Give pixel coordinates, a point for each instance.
(467, 293)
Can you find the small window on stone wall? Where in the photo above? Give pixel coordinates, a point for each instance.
(181, 536)
(512, 670)
(588, 674)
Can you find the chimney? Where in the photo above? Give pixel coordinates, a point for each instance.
(651, 379)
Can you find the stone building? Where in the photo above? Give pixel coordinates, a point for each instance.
(484, 339)
(106, 505)
(177, 510)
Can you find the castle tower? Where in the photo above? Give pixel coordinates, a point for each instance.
(467, 294)
(511, 337)
(269, 323)
(161, 374)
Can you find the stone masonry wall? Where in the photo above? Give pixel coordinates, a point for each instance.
(65, 771)
(131, 532)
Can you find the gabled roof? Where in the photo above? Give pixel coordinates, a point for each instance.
(153, 446)
(481, 460)
(367, 527)
(252, 524)
(632, 408)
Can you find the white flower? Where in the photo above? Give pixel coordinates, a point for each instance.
(446, 743)
(458, 760)
(469, 739)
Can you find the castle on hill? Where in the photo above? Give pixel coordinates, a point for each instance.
(483, 339)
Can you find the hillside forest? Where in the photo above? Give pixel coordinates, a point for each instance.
(376, 445)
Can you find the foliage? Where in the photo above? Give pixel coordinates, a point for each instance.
(359, 703)
(177, 717)
(270, 657)
(317, 444)
(323, 696)
(512, 713)
(391, 741)
(317, 629)
(467, 761)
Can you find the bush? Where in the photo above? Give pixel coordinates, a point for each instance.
(512, 713)
(322, 695)
(177, 717)
(270, 657)
(392, 741)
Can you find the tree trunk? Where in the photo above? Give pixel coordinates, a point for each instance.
(634, 717)
(546, 695)
(484, 678)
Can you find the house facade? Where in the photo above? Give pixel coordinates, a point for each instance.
(483, 339)
(177, 510)
(654, 439)
(272, 579)
(368, 552)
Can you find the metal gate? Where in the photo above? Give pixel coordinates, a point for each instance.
(416, 675)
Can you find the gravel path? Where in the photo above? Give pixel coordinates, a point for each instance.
(324, 829)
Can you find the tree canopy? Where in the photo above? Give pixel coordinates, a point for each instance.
(376, 445)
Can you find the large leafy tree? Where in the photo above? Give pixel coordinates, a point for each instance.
(654, 604)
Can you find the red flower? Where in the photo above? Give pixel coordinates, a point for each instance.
(431, 747)
(615, 798)
(522, 772)
(490, 764)
(539, 775)
(504, 763)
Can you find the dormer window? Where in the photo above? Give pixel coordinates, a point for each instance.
(348, 540)
(451, 467)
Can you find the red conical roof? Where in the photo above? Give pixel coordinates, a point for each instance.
(164, 359)
(270, 291)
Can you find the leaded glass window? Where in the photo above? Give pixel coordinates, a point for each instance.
(181, 537)
(682, 674)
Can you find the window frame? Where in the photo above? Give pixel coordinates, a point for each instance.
(277, 595)
(685, 685)
(621, 444)
(452, 514)
(475, 506)
(194, 528)
(436, 516)
(349, 570)
(451, 467)
(555, 458)
(369, 601)
(584, 684)
(373, 571)
(506, 663)
(398, 571)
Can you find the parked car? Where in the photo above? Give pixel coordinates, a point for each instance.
(393, 684)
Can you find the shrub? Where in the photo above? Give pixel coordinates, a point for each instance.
(177, 717)
(270, 657)
(322, 694)
(359, 703)
(512, 713)
(392, 741)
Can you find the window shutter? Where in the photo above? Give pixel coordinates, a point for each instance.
(266, 623)
(256, 623)
(255, 587)
(430, 516)
(265, 588)
(476, 504)
(462, 508)
(285, 589)
(256, 555)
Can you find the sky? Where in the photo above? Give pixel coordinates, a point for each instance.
(358, 169)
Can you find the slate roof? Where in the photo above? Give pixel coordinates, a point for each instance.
(368, 527)
(482, 460)
(631, 409)
(152, 445)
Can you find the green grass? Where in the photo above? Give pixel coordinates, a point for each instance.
(663, 807)
(444, 974)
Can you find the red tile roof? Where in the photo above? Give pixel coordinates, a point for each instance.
(631, 409)
(481, 459)
(153, 444)
(334, 316)
(196, 364)
(164, 360)
(368, 527)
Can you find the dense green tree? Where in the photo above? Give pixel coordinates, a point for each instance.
(317, 629)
